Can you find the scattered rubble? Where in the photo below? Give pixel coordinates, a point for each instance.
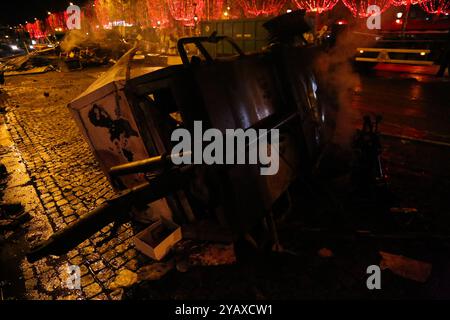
(117, 294)
(124, 279)
(182, 265)
(213, 255)
(155, 271)
(32, 63)
(403, 210)
(197, 255)
(325, 253)
(406, 267)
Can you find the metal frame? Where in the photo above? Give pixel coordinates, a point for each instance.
(384, 57)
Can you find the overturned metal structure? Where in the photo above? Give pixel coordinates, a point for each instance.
(128, 118)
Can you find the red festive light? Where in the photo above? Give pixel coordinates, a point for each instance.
(56, 21)
(254, 8)
(102, 12)
(35, 30)
(359, 7)
(89, 13)
(109, 11)
(315, 5)
(158, 13)
(399, 3)
(188, 12)
(214, 9)
(139, 13)
(436, 6)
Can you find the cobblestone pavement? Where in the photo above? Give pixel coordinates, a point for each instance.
(68, 182)
(56, 167)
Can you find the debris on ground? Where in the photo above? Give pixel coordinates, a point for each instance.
(124, 279)
(80, 50)
(325, 253)
(157, 240)
(155, 271)
(408, 217)
(403, 210)
(32, 63)
(213, 255)
(36, 70)
(406, 267)
(79, 58)
(117, 294)
(182, 265)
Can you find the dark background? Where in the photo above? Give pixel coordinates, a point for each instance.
(14, 12)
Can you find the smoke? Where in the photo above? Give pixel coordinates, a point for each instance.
(337, 75)
(73, 39)
(110, 40)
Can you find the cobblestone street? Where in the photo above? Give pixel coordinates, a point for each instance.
(222, 158)
(68, 183)
(54, 174)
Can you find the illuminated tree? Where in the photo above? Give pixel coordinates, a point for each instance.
(56, 21)
(214, 9)
(254, 8)
(102, 12)
(139, 13)
(158, 13)
(399, 3)
(436, 6)
(359, 7)
(315, 5)
(188, 12)
(35, 30)
(108, 11)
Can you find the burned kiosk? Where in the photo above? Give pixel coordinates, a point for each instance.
(128, 117)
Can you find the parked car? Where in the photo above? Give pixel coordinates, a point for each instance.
(7, 50)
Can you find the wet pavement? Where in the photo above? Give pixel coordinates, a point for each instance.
(57, 176)
(412, 104)
(65, 183)
(416, 134)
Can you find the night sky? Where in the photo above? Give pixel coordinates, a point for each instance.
(13, 12)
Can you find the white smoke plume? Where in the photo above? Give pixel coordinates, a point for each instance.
(337, 74)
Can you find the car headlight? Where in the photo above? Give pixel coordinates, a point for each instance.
(14, 47)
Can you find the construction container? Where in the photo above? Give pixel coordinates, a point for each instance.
(249, 34)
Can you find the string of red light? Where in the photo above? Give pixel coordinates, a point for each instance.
(161, 13)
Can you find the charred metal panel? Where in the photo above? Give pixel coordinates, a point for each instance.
(238, 93)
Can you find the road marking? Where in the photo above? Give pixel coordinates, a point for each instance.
(438, 143)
